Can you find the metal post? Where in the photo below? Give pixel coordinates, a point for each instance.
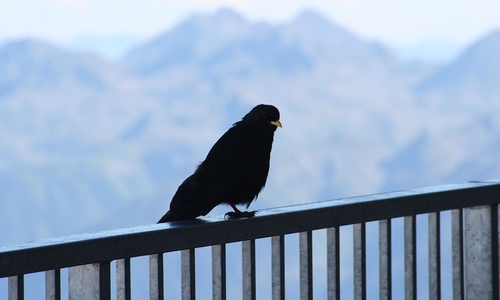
(434, 229)
(457, 254)
(105, 280)
(478, 253)
(248, 268)
(333, 263)
(156, 276)
(359, 260)
(306, 275)
(219, 272)
(495, 255)
(16, 287)
(410, 250)
(123, 279)
(53, 284)
(495, 259)
(83, 282)
(385, 258)
(188, 274)
(278, 267)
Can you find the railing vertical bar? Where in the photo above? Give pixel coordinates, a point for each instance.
(278, 267)
(84, 282)
(16, 287)
(359, 260)
(53, 284)
(457, 254)
(337, 261)
(306, 268)
(123, 288)
(434, 229)
(385, 266)
(494, 248)
(188, 274)
(219, 272)
(248, 267)
(478, 252)
(410, 250)
(105, 281)
(156, 289)
(333, 263)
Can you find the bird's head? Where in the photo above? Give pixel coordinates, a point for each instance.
(263, 114)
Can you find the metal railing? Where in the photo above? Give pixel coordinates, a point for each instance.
(473, 233)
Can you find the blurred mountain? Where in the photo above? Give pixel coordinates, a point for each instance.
(37, 65)
(471, 80)
(89, 144)
(60, 113)
(191, 42)
(459, 101)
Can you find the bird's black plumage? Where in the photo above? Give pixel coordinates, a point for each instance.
(234, 171)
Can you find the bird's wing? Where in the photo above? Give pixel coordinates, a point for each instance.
(213, 178)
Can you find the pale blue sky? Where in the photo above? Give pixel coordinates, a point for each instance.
(395, 22)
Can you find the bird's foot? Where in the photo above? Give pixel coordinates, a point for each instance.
(240, 214)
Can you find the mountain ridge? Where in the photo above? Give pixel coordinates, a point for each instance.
(40, 64)
(473, 75)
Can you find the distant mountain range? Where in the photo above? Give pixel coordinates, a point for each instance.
(90, 144)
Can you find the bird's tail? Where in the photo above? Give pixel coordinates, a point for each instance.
(168, 217)
(171, 216)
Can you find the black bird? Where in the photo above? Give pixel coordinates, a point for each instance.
(234, 171)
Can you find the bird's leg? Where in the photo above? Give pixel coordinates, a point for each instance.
(238, 213)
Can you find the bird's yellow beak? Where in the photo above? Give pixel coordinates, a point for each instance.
(276, 123)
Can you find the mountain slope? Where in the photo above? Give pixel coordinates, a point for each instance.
(34, 64)
(471, 80)
(61, 115)
(189, 42)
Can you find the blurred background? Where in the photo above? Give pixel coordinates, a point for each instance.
(107, 106)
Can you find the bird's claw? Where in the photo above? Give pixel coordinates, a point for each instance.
(240, 214)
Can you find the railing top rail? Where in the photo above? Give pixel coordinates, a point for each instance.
(87, 248)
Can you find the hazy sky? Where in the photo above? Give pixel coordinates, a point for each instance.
(396, 22)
